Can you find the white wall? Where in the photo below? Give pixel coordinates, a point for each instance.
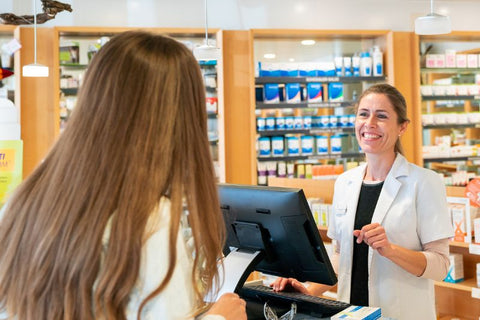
(246, 14)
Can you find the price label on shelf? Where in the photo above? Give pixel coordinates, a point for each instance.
(474, 248)
(476, 293)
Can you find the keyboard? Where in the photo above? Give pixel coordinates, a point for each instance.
(306, 304)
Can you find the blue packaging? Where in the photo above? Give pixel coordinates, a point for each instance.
(259, 94)
(293, 146)
(298, 122)
(315, 122)
(278, 147)
(324, 121)
(321, 143)
(289, 123)
(264, 146)
(261, 124)
(343, 123)
(292, 92)
(335, 91)
(336, 144)
(270, 123)
(314, 92)
(271, 93)
(307, 145)
(351, 121)
(307, 122)
(280, 123)
(332, 121)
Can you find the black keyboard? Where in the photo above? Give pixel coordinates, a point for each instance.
(306, 304)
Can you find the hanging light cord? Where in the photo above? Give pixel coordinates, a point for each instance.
(35, 32)
(206, 24)
(431, 6)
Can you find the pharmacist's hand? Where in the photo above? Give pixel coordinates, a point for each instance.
(288, 284)
(375, 236)
(230, 306)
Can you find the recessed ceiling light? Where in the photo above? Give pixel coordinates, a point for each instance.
(308, 42)
(291, 59)
(269, 55)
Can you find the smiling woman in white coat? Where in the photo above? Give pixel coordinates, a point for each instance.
(389, 222)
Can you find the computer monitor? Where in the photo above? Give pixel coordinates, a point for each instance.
(276, 223)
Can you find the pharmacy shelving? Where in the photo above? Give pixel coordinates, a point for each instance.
(327, 46)
(449, 101)
(7, 85)
(46, 108)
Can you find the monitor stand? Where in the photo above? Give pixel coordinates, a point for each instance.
(237, 266)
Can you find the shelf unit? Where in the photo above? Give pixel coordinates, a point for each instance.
(449, 101)
(245, 50)
(8, 84)
(47, 110)
(452, 299)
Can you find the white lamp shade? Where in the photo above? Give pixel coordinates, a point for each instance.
(433, 24)
(35, 70)
(206, 53)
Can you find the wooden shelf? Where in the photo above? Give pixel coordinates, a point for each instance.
(465, 285)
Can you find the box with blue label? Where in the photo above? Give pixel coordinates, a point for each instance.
(271, 93)
(358, 313)
(455, 271)
(314, 92)
(335, 91)
(293, 93)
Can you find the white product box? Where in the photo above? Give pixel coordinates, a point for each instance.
(439, 90)
(455, 271)
(440, 118)
(426, 90)
(473, 117)
(462, 118)
(427, 119)
(439, 61)
(459, 208)
(462, 90)
(451, 118)
(450, 60)
(476, 231)
(472, 61)
(430, 61)
(451, 90)
(461, 60)
(473, 89)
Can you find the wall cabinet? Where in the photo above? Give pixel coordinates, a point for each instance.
(450, 101)
(70, 49)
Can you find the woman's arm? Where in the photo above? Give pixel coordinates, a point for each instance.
(415, 262)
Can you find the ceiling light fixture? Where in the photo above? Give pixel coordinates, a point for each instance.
(35, 69)
(308, 42)
(433, 23)
(206, 52)
(269, 55)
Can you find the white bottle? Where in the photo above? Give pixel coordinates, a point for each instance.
(377, 57)
(356, 65)
(365, 64)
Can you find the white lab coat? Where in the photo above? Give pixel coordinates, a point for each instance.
(413, 210)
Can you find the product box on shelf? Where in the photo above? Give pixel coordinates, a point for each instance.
(271, 93)
(459, 209)
(455, 271)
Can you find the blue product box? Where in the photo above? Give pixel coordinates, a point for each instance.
(278, 146)
(314, 92)
(293, 146)
(298, 122)
(280, 123)
(335, 91)
(307, 145)
(259, 94)
(270, 123)
(271, 93)
(264, 146)
(358, 313)
(292, 92)
(289, 123)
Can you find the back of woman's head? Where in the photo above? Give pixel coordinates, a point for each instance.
(138, 133)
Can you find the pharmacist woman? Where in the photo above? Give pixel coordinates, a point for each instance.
(389, 223)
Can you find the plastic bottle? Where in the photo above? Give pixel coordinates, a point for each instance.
(365, 64)
(356, 65)
(377, 57)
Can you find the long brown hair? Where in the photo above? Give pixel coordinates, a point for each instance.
(138, 133)
(396, 99)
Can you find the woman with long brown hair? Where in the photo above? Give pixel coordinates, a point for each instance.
(97, 231)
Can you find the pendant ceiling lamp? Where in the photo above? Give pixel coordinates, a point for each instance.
(206, 52)
(35, 69)
(433, 23)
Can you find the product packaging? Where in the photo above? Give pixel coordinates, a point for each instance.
(278, 147)
(314, 92)
(264, 146)
(292, 93)
(455, 271)
(307, 145)
(377, 57)
(335, 91)
(271, 93)
(293, 146)
(358, 313)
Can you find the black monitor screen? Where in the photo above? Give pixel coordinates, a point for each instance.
(278, 222)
